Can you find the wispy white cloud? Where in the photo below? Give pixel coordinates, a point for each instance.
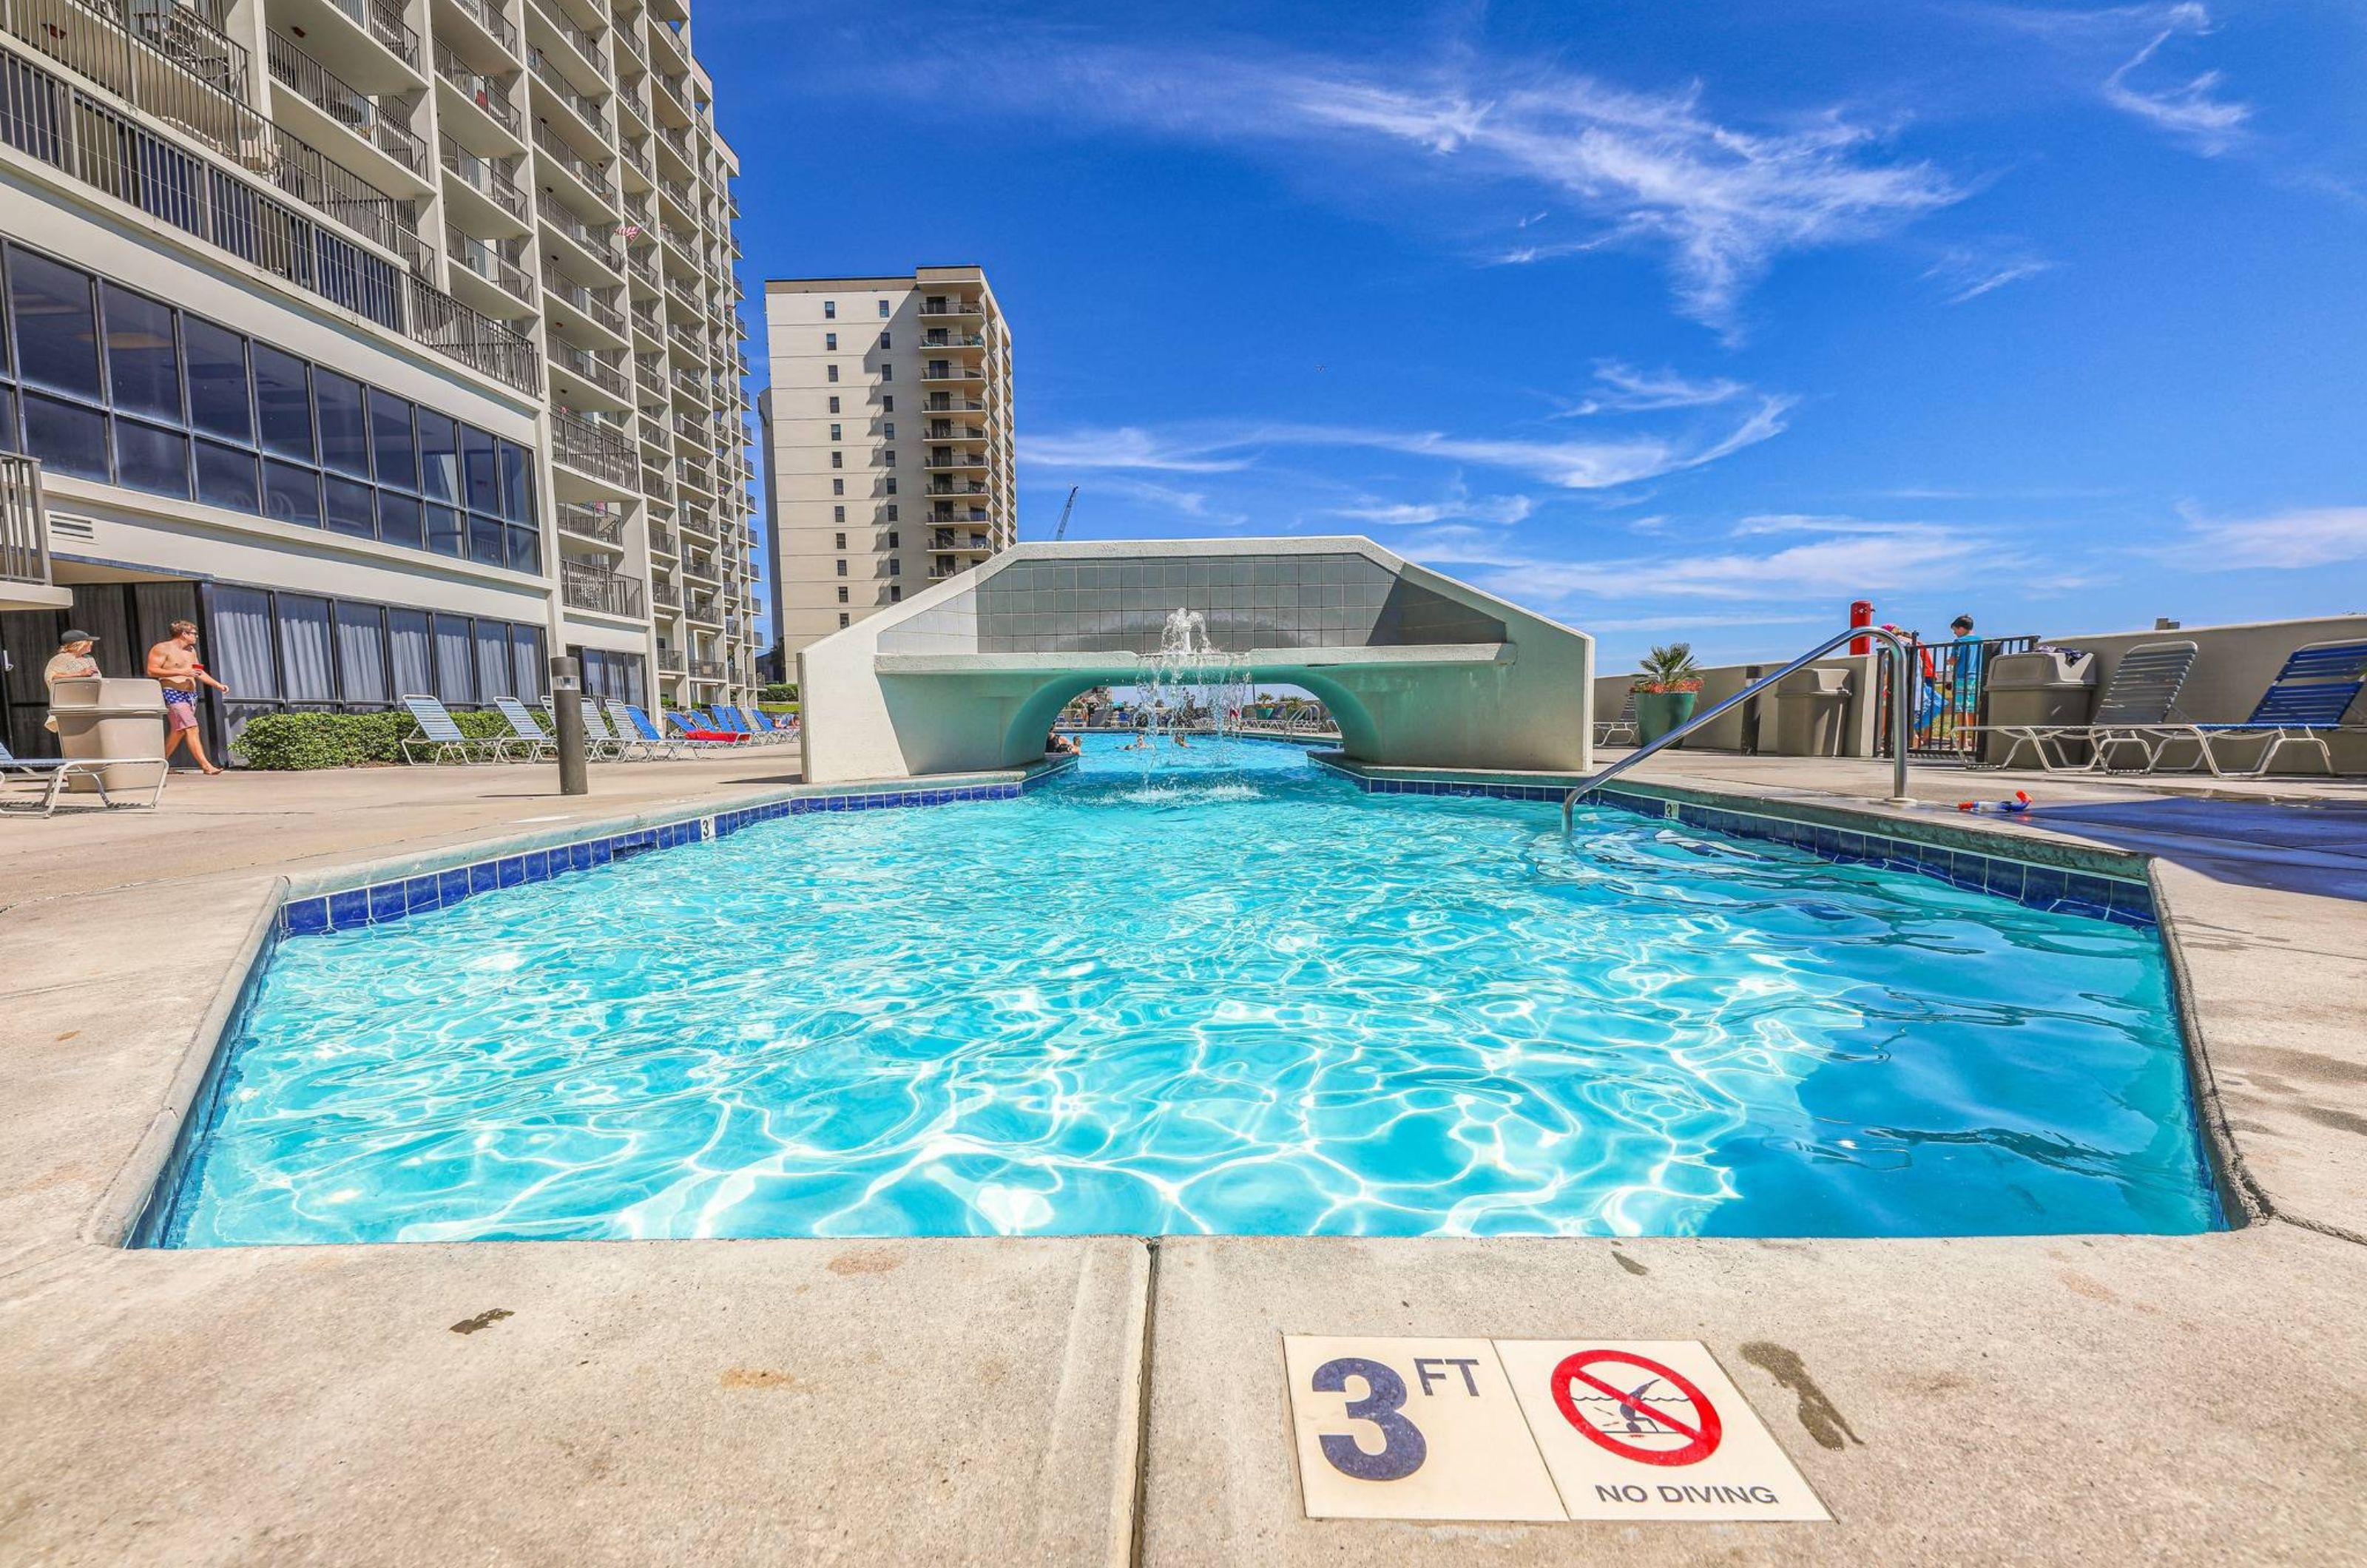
(1722, 200)
(1458, 503)
(1193, 503)
(1824, 559)
(2288, 541)
(1969, 273)
(1621, 388)
(1599, 464)
(2190, 110)
(1130, 446)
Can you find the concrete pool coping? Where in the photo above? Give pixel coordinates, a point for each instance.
(746, 1401)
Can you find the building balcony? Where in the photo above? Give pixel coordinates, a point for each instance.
(487, 179)
(577, 374)
(486, 15)
(668, 596)
(489, 95)
(483, 261)
(939, 372)
(707, 670)
(382, 20)
(938, 462)
(934, 307)
(598, 306)
(597, 188)
(951, 340)
(593, 449)
(25, 581)
(946, 402)
(552, 85)
(971, 543)
(580, 521)
(381, 124)
(585, 587)
(579, 51)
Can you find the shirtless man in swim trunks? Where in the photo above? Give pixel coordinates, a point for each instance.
(173, 664)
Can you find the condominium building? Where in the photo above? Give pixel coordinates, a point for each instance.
(886, 439)
(393, 342)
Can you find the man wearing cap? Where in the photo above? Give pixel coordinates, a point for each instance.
(72, 661)
(173, 664)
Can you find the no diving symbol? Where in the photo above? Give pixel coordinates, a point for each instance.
(1635, 1408)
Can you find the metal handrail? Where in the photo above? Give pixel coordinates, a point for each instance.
(1898, 795)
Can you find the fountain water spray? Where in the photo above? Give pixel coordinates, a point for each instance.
(1191, 687)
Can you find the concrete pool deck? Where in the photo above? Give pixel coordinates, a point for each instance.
(1098, 1400)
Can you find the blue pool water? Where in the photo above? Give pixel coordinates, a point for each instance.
(1232, 996)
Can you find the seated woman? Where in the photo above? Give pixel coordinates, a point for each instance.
(1059, 745)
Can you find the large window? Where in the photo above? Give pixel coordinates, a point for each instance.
(101, 382)
(296, 652)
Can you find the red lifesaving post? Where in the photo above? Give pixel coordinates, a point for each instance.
(1862, 615)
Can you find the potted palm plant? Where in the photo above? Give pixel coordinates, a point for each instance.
(1666, 689)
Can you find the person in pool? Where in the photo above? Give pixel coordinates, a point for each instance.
(1181, 743)
(1059, 745)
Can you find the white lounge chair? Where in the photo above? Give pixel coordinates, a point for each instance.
(440, 738)
(53, 772)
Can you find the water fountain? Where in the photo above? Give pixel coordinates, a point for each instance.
(1191, 687)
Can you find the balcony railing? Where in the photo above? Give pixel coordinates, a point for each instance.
(483, 176)
(599, 239)
(953, 340)
(668, 596)
(593, 449)
(382, 20)
(486, 92)
(383, 127)
(593, 176)
(943, 307)
(590, 522)
(49, 119)
(487, 262)
(593, 305)
(611, 593)
(946, 403)
(488, 16)
(705, 669)
(592, 368)
(546, 71)
(669, 662)
(24, 523)
(661, 541)
(582, 42)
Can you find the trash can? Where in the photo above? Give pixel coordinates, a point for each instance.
(2044, 686)
(1809, 708)
(111, 717)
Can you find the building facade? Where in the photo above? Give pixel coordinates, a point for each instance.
(886, 437)
(394, 342)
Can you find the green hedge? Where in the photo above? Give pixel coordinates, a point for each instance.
(777, 692)
(779, 710)
(291, 742)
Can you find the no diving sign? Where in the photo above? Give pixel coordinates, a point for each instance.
(1531, 1429)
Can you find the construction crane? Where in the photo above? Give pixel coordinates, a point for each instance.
(1062, 531)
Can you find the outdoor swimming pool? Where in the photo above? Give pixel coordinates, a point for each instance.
(1234, 996)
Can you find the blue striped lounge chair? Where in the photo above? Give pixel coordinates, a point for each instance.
(2302, 706)
(631, 722)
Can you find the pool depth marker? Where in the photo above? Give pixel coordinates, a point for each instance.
(1531, 1429)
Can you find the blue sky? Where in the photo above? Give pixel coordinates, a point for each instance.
(1669, 319)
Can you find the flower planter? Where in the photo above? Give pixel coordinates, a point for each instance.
(1657, 713)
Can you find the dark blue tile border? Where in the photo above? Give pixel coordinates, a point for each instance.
(2061, 889)
(380, 902)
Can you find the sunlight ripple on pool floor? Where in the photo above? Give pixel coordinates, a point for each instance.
(1228, 995)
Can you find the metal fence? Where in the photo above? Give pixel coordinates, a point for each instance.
(24, 523)
(1948, 694)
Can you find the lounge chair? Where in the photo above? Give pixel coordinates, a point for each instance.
(55, 770)
(528, 740)
(1607, 731)
(632, 723)
(599, 744)
(760, 727)
(439, 736)
(784, 729)
(2301, 707)
(2141, 696)
(697, 730)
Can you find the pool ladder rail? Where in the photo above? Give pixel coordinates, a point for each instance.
(1896, 647)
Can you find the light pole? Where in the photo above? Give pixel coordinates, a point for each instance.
(567, 726)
